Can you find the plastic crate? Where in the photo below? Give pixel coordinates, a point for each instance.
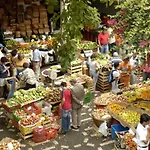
(28, 129)
(117, 128)
(36, 110)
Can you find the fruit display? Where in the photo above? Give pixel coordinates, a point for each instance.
(20, 113)
(100, 114)
(131, 145)
(131, 95)
(144, 93)
(142, 105)
(76, 63)
(26, 96)
(87, 45)
(53, 95)
(116, 108)
(129, 116)
(8, 143)
(103, 60)
(30, 120)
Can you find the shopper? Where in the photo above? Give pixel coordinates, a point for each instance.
(27, 77)
(115, 59)
(135, 62)
(94, 69)
(77, 92)
(36, 61)
(19, 61)
(66, 107)
(1, 48)
(126, 69)
(115, 78)
(4, 73)
(103, 40)
(143, 133)
(146, 68)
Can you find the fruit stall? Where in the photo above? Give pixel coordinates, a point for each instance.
(125, 110)
(30, 112)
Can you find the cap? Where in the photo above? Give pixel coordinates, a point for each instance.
(73, 80)
(1, 45)
(115, 54)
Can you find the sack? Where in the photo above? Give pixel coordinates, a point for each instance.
(110, 77)
(103, 128)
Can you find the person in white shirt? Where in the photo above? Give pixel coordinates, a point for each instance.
(36, 61)
(94, 69)
(115, 75)
(143, 133)
(27, 77)
(115, 59)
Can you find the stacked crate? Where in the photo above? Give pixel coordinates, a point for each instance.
(102, 84)
(75, 67)
(24, 17)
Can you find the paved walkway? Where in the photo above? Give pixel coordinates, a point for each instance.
(86, 138)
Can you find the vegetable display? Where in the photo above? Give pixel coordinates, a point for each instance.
(20, 113)
(87, 45)
(23, 96)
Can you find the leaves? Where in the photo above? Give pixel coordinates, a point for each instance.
(75, 16)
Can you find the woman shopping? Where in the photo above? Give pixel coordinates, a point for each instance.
(126, 69)
(66, 107)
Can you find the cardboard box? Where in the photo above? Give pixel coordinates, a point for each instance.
(18, 34)
(35, 14)
(28, 27)
(42, 8)
(43, 14)
(41, 31)
(27, 22)
(35, 20)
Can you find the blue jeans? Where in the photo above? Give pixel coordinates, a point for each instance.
(104, 48)
(65, 120)
(94, 75)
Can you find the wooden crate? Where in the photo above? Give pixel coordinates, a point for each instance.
(76, 69)
(24, 137)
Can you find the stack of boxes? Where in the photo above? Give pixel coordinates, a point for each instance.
(24, 17)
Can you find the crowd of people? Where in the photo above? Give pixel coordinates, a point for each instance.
(14, 64)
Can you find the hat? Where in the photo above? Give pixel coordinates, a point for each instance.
(1, 45)
(115, 54)
(73, 80)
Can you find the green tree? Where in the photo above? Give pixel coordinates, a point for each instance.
(75, 16)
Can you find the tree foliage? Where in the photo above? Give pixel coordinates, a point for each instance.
(134, 21)
(75, 16)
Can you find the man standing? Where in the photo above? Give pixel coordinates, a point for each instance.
(77, 92)
(103, 38)
(36, 61)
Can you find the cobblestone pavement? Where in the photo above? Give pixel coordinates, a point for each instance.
(86, 138)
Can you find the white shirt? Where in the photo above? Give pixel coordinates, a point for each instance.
(134, 61)
(28, 76)
(141, 133)
(36, 55)
(1, 55)
(112, 38)
(116, 74)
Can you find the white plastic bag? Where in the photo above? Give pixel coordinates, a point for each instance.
(103, 128)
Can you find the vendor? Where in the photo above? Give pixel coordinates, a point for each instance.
(126, 69)
(115, 75)
(143, 132)
(27, 77)
(19, 61)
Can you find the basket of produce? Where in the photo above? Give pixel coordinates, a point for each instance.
(99, 116)
(32, 108)
(8, 143)
(26, 125)
(19, 114)
(53, 96)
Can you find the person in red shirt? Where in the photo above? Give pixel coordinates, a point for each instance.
(66, 107)
(103, 40)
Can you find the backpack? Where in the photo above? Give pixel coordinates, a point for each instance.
(110, 77)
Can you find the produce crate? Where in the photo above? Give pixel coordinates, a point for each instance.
(9, 109)
(32, 108)
(117, 128)
(28, 129)
(17, 119)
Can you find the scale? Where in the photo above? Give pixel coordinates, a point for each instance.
(88, 53)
